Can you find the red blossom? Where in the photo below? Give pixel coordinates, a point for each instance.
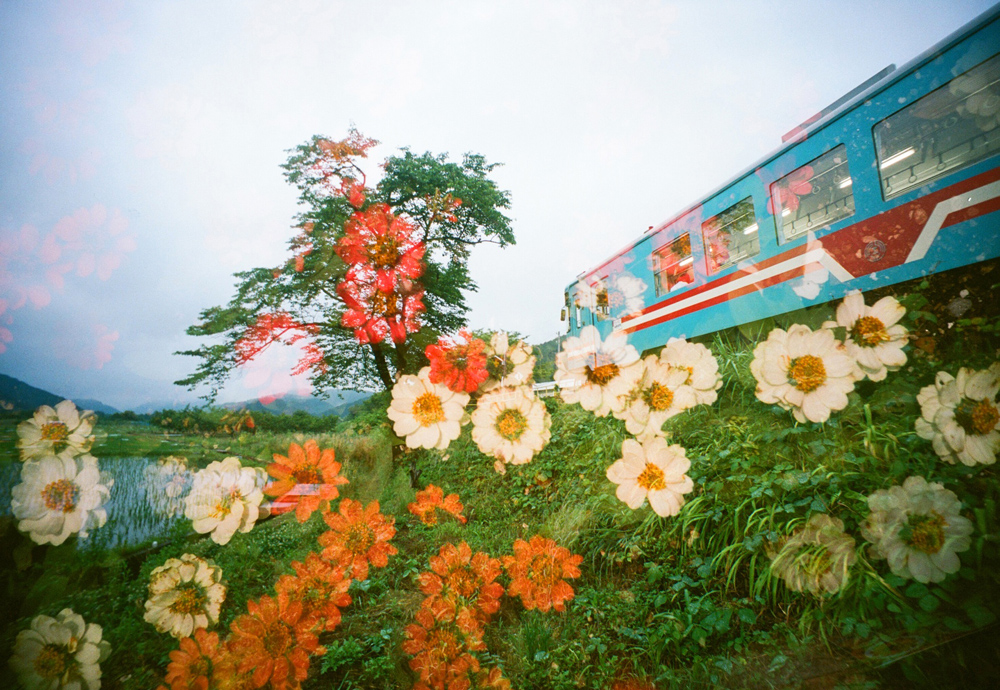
(376, 314)
(786, 193)
(280, 327)
(460, 363)
(379, 241)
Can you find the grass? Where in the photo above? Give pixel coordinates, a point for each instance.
(687, 601)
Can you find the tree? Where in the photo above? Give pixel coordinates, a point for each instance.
(375, 274)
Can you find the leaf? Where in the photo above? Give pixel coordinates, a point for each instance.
(929, 603)
(747, 616)
(980, 616)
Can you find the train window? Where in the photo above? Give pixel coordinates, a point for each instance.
(673, 265)
(948, 129)
(731, 236)
(813, 196)
(603, 310)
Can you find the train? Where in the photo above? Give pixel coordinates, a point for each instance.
(898, 179)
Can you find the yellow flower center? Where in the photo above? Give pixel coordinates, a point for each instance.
(61, 495)
(225, 504)
(384, 303)
(384, 252)
(427, 409)
(869, 332)
(544, 571)
(199, 667)
(603, 374)
(511, 424)
(651, 478)
(442, 641)
(658, 397)
(307, 474)
(807, 373)
(51, 662)
(977, 417)
(925, 532)
(359, 538)
(463, 583)
(191, 599)
(57, 432)
(276, 640)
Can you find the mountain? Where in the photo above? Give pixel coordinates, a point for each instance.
(18, 395)
(339, 402)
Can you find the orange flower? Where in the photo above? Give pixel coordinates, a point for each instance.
(319, 586)
(358, 537)
(459, 363)
(274, 640)
(432, 498)
(492, 679)
(306, 466)
(191, 666)
(537, 570)
(462, 587)
(440, 651)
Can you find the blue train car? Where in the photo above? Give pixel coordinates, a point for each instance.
(897, 180)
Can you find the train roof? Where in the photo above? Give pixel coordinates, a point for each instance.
(836, 110)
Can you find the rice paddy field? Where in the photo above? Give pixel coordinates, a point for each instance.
(782, 567)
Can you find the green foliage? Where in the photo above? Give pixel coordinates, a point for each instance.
(411, 185)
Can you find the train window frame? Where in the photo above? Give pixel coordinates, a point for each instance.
(713, 228)
(784, 197)
(665, 282)
(602, 303)
(926, 161)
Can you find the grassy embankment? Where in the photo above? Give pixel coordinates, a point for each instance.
(683, 601)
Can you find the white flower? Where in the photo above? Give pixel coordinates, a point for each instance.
(804, 371)
(701, 367)
(627, 297)
(61, 652)
(184, 594)
(59, 496)
(428, 414)
(511, 424)
(55, 431)
(508, 365)
(960, 416)
(817, 557)
(874, 337)
(597, 373)
(167, 482)
(652, 470)
(660, 394)
(918, 528)
(225, 498)
(586, 295)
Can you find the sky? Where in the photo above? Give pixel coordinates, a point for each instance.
(140, 145)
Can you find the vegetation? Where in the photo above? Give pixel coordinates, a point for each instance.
(349, 309)
(662, 602)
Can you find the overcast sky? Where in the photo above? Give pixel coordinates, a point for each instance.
(140, 144)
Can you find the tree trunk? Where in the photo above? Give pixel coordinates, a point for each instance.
(382, 366)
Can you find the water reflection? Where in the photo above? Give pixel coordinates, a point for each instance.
(142, 505)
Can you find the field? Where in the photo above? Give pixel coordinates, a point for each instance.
(683, 601)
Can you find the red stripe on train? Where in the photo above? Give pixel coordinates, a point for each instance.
(897, 229)
(796, 272)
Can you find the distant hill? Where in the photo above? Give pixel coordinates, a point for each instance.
(18, 395)
(545, 359)
(338, 404)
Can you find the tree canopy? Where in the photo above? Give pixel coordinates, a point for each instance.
(376, 273)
